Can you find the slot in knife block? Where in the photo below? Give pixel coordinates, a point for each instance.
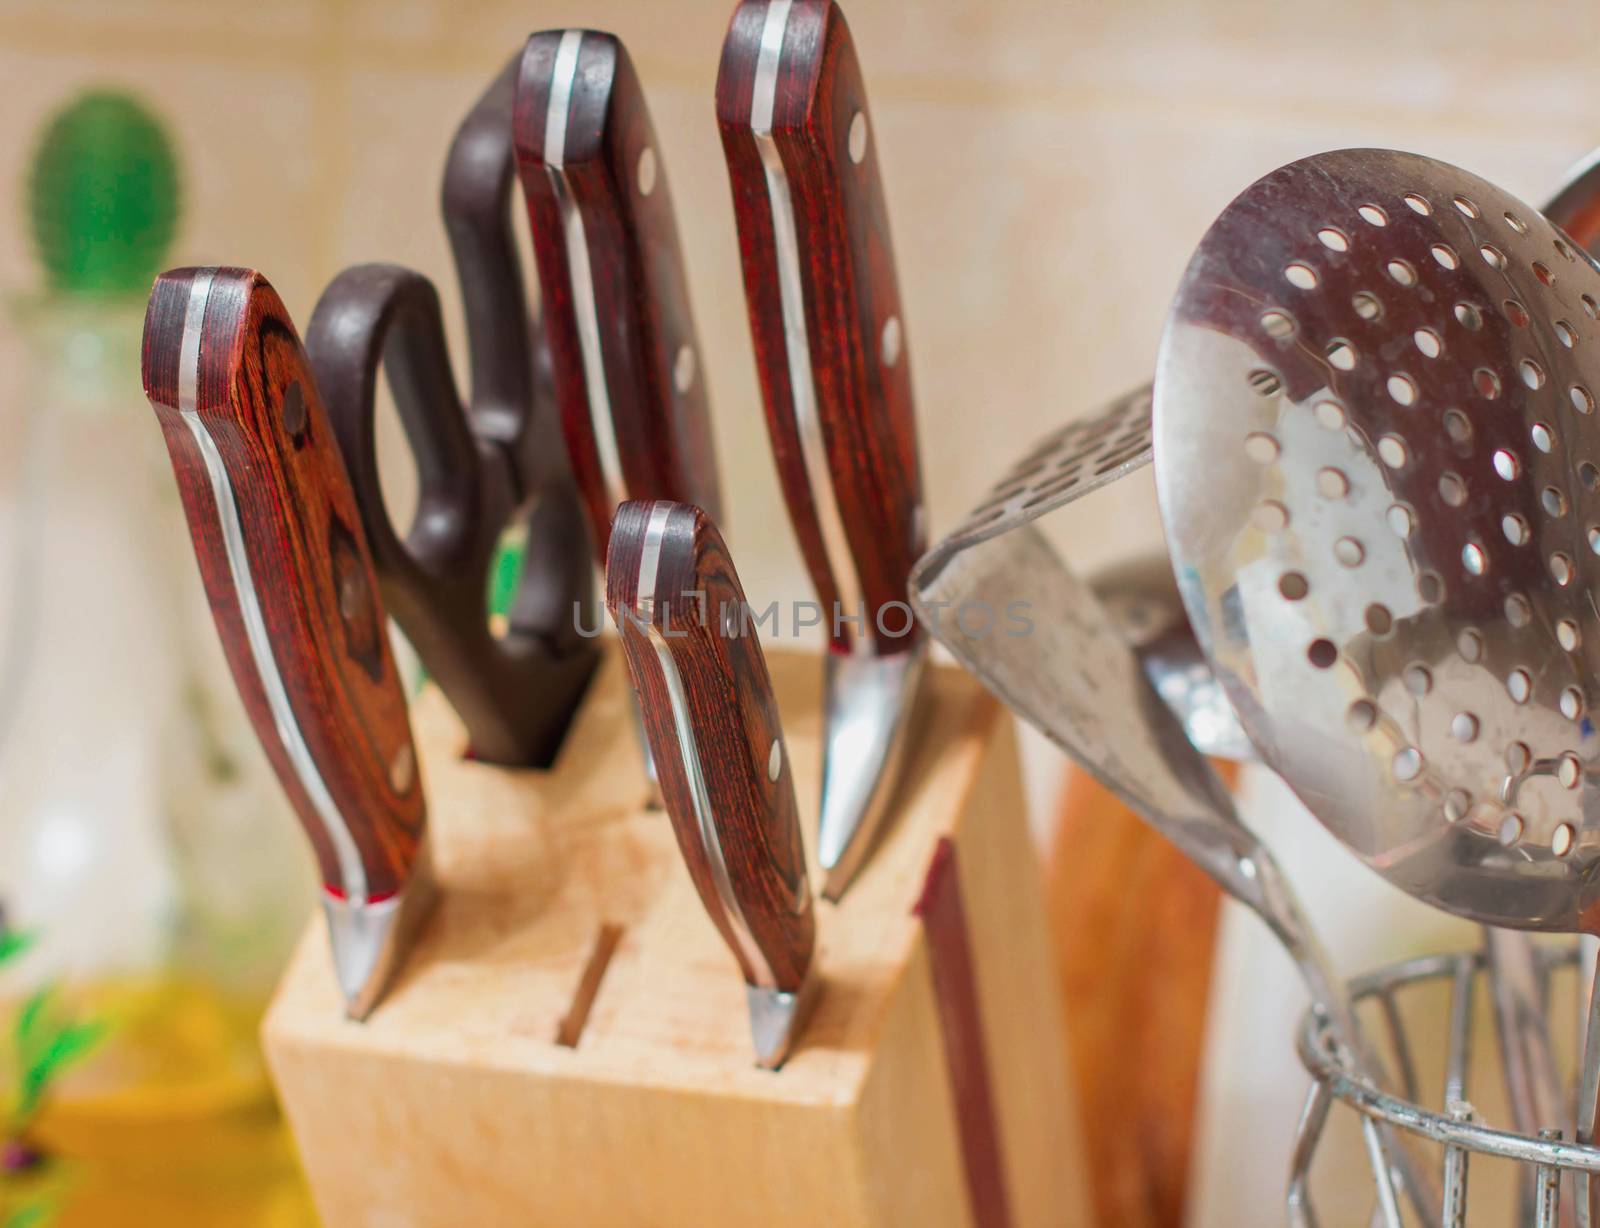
(566, 912)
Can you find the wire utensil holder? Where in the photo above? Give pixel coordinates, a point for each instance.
(1547, 1155)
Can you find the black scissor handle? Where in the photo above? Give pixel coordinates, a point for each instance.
(382, 314)
(506, 355)
(477, 466)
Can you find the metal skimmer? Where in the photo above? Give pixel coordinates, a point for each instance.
(1375, 454)
(1076, 679)
(1143, 601)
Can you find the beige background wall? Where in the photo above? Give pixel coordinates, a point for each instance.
(1050, 163)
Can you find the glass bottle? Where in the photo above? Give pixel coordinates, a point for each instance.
(147, 857)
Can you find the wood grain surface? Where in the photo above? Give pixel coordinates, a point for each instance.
(613, 173)
(312, 572)
(1136, 926)
(855, 322)
(1576, 210)
(955, 987)
(658, 1116)
(695, 614)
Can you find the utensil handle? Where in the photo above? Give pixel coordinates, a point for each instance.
(1532, 1085)
(825, 309)
(286, 567)
(712, 720)
(1527, 1057)
(627, 362)
(1588, 1187)
(1576, 206)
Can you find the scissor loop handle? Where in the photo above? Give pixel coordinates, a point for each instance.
(480, 466)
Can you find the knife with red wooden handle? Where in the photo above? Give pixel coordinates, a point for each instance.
(623, 347)
(712, 720)
(825, 313)
(279, 542)
(615, 295)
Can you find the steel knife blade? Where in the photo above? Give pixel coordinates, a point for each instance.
(829, 332)
(712, 720)
(286, 568)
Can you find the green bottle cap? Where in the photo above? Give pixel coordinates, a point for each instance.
(103, 196)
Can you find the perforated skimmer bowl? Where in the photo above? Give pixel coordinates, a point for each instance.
(1381, 365)
(1376, 450)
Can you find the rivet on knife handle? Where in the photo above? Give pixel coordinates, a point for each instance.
(712, 720)
(623, 348)
(830, 346)
(280, 548)
(628, 367)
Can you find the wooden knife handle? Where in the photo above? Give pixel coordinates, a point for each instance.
(628, 365)
(824, 305)
(712, 721)
(1576, 207)
(286, 567)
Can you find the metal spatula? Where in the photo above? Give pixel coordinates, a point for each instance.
(1374, 424)
(1075, 678)
(1143, 601)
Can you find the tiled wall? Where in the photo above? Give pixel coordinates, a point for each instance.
(1050, 163)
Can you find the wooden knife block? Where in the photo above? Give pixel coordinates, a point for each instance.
(455, 1103)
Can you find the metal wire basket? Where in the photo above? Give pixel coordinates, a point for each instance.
(1549, 1162)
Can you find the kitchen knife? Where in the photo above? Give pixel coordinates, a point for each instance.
(712, 721)
(616, 304)
(830, 347)
(623, 347)
(286, 568)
